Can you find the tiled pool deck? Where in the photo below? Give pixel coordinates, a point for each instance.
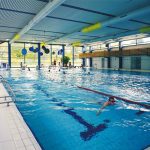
(14, 133)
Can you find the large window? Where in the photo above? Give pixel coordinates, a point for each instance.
(144, 40)
(96, 47)
(4, 53)
(55, 57)
(46, 58)
(77, 51)
(103, 47)
(30, 59)
(114, 45)
(68, 52)
(129, 43)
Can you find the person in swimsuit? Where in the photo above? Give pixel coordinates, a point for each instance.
(111, 101)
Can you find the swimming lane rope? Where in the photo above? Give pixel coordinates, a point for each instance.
(117, 97)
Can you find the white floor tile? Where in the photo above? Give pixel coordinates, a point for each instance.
(14, 132)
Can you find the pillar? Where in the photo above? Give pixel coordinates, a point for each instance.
(9, 54)
(120, 57)
(63, 48)
(39, 57)
(51, 56)
(73, 56)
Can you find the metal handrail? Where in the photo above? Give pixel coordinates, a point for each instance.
(1, 77)
(4, 102)
(9, 88)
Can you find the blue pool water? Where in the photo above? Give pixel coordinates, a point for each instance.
(63, 117)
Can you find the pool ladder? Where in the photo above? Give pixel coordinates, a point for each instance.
(9, 89)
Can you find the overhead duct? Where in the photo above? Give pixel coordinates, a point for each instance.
(141, 30)
(126, 16)
(112, 36)
(91, 28)
(51, 6)
(115, 20)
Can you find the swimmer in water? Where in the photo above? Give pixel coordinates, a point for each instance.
(111, 101)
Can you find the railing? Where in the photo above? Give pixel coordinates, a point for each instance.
(13, 96)
(128, 52)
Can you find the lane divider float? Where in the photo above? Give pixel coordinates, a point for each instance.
(117, 97)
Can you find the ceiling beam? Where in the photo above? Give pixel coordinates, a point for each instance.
(118, 36)
(51, 6)
(121, 18)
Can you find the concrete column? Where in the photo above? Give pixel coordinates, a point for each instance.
(63, 48)
(120, 58)
(91, 62)
(91, 59)
(109, 60)
(51, 47)
(73, 56)
(9, 54)
(24, 57)
(39, 57)
(83, 62)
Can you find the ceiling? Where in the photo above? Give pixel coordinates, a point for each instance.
(64, 24)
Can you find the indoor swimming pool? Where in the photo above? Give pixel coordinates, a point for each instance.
(63, 116)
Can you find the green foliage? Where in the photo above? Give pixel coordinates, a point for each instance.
(65, 60)
(18, 55)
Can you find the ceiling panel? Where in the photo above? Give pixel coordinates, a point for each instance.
(35, 37)
(68, 18)
(78, 15)
(45, 32)
(129, 25)
(143, 19)
(66, 41)
(81, 37)
(7, 29)
(103, 32)
(114, 7)
(5, 36)
(15, 19)
(32, 6)
(58, 25)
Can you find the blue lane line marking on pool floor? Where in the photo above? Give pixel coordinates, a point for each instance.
(91, 130)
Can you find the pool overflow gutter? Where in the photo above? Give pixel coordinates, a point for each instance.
(7, 98)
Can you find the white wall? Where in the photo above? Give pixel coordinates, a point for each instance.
(145, 62)
(87, 62)
(105, 62)
(114, 62)
(126, 62)
(97, 62)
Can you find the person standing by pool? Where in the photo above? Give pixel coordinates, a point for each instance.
(111, 101)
